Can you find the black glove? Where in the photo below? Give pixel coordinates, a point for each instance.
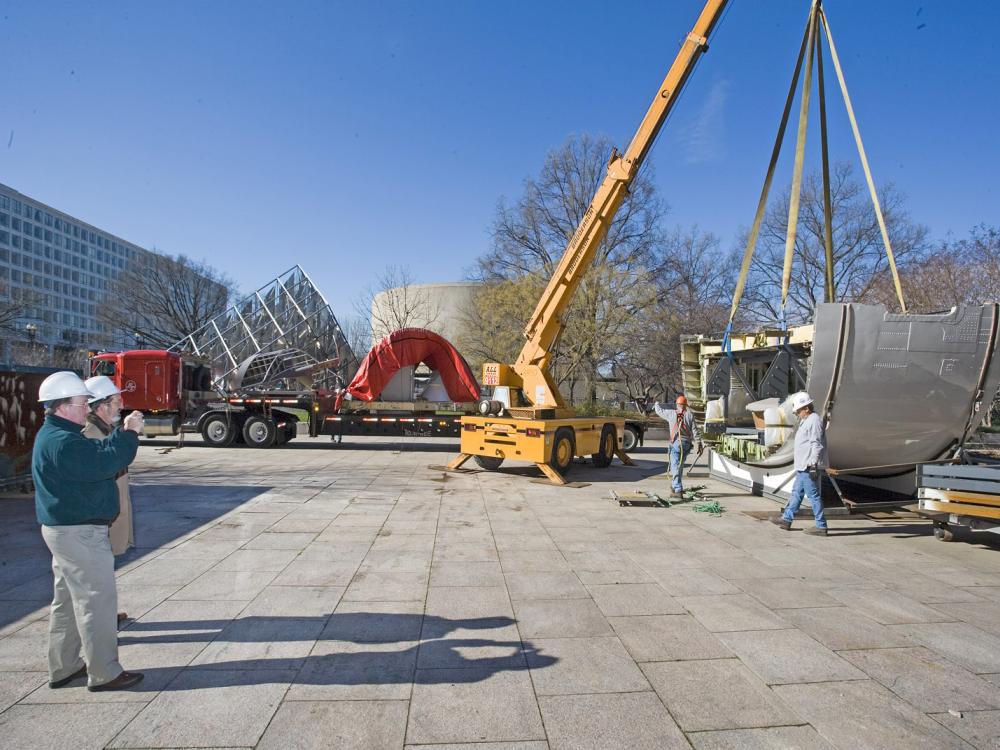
(814, 473)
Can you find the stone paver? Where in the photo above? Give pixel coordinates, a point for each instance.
(925, 680)
(625, 721)
(469, 705)
(732, 612)
(716, 694)
(208, 708)
(866, 716)
(351, 725)
(960, 642)
(840, 628)
(783, 656)
(618, 600)
(667, 638)
(564, 666)
(980, 728)
(348, 597)
(560, 618)
(771, 738)
(64, 725)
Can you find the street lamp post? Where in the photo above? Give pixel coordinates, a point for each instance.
(32, 330)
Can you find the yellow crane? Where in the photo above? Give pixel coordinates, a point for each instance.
(527, 419)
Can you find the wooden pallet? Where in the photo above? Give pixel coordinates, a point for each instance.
(960, 490)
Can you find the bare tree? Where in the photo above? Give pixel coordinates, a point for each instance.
(15, 304)
(358, 332)
(394, 301)
(694, 289)
(159, 299)
(956, 272)
(530, 236)
(858, 252)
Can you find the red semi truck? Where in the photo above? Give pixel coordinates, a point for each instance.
(174, 391)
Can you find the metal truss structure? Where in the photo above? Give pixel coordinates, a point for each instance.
(288, 317)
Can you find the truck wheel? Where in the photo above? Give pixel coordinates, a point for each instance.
(630, 438)
(606, 450)
(563, 450)
(490, 463)
(260, 432)
(219, 431)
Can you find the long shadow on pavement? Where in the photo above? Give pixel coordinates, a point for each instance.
(427, 656)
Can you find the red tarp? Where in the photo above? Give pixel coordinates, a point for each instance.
(411, 346)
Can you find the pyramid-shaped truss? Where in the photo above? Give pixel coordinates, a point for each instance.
(289, 314)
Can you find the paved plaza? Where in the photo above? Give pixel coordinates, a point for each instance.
(316, 596)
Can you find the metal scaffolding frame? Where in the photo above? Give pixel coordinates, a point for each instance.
(288, 315)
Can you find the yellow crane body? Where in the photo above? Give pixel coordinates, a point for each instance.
(536, 424)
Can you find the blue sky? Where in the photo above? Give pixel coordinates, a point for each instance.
(348, 136)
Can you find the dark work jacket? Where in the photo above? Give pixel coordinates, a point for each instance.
(75, 476)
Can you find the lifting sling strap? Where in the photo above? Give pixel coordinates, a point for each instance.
(809, 48)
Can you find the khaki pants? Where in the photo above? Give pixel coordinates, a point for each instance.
(84, 615)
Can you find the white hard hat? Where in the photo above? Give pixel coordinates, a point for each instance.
(62, 385)
(800, 399)
(102, 387)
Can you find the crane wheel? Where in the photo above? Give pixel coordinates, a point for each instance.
(490, 463)
(563, 450)
(606, 451)
(630, 439)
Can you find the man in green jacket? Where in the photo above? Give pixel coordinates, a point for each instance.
(75, 501)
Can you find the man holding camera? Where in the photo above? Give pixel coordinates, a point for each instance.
(75, 501)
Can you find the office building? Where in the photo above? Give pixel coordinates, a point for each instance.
(57, 268)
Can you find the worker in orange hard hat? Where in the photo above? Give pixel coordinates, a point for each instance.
(684, 434)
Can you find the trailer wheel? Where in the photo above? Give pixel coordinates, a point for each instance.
(260, 432)
(630, 438)
(490, 463)
(219, 431)
(943, 533)
(563, 450)
(606, 451)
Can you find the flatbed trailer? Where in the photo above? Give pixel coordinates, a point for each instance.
(265, 419)
(395, 419)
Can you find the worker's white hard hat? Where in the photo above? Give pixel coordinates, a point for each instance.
(800, 399)
(60, 385)
(102, 387)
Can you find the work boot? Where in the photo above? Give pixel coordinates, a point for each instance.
(780, 522)
(816, 531)
(81, 672)
(677, 495)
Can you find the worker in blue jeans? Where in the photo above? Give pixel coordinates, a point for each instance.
(810, 460)
(684, 433)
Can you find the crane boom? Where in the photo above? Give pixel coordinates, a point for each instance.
(545, 325)
(527, 419)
